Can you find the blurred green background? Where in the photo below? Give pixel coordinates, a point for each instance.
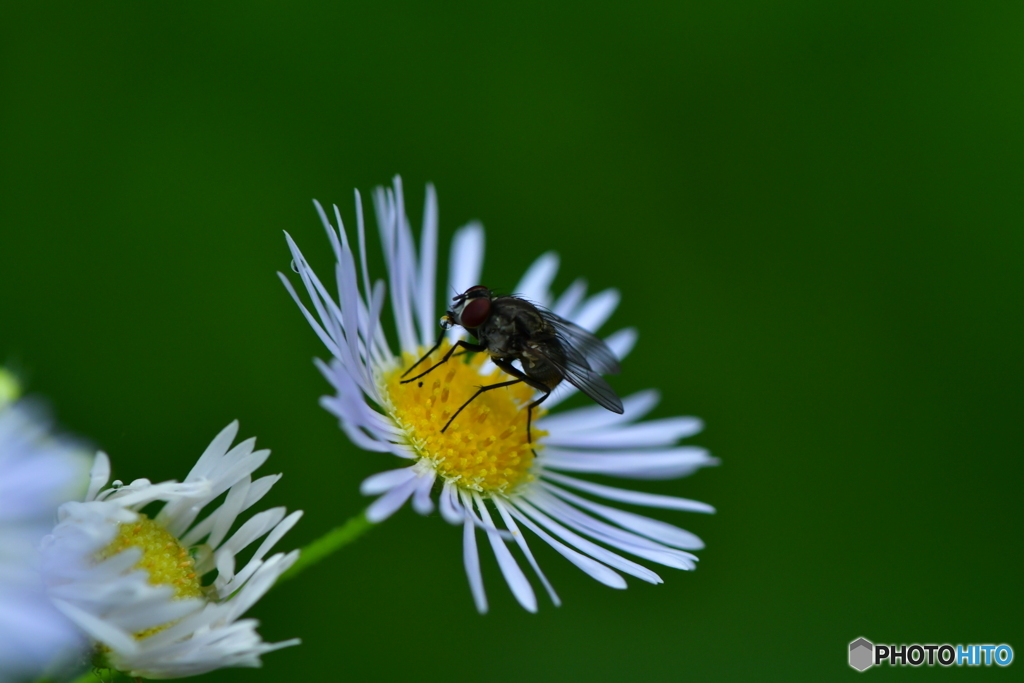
(813, 211)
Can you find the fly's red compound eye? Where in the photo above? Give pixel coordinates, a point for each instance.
(475, 312)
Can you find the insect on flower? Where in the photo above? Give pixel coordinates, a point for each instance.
(490, 477)
(549, 348)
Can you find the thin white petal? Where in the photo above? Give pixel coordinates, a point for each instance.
(451, 509)
(361, 238)
(622, 342)
(597, 552)
(216, 450)
(421, 501)
(332, 347)
(566, 304)
(653, 433)
(98, 628)
(520, 540)
(427, 280)
(514, 576)
(386, 505)
(471, 559)
(535, 284)
(611, 535)
(385, 481)
(597, 309)
(467, 258)
(669, 463)
(590, 566)
(651, 528)
(332, 236)
(99, 475)
(634, 497)
(399, 260)
(228, 512)
(275, 535)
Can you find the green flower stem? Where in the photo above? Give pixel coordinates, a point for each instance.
(333, 540)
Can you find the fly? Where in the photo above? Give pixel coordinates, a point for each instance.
(548, 347)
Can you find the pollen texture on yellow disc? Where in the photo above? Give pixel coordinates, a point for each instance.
(485, 448)
(163, 557)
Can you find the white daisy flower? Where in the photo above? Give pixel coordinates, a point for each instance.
(488, 475)
(135, 584)
(38, 472)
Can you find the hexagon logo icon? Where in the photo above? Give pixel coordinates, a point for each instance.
(861, 654)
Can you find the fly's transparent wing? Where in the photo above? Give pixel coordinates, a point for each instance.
(596, 354)
(573, 367)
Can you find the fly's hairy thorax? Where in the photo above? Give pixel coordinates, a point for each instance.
(516, 330)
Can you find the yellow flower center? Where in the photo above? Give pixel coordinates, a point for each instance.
(167, 562)
(485, 448)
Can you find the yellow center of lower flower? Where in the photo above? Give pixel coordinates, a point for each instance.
(485, 448)
(167, 562)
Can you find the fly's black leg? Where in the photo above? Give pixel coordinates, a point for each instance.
(461, 343)
(436, 345)
(539, 386)
(478, 392)
(529, 417)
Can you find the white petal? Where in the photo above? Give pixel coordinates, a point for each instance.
(98, 628)
(386, 505)
(332, 234)
(622, 342)
(467, 258)
(514, 576)
(520, 540)
(398, 257)
(260, 488)
(471, 560)
(592, 567)
(634, 497)
(361, 238)
(669, 463)
(592, 549)
(597, 309)
(276, 534)
(653, 433)
(651, 528)
(215, 451)
(427, 280)
(611, 535)
(535, 284)
(421, 501)
(566, 304)
(451, 508)
(99, 475)
(385, 481)
(228, 512)
(331, 345)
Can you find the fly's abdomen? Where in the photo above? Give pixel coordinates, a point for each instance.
(540, 369)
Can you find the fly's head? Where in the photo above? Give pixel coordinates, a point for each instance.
(470, 310)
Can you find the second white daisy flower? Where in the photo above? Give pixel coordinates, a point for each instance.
(134, 584)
